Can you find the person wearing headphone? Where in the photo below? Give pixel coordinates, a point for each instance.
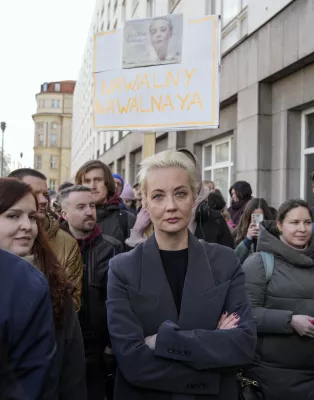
(206, 223)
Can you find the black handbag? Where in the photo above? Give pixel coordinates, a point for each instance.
(248, 389)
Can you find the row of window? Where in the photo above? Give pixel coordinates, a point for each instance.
(217, 160)
(57, 87)
(229, 9)
(49, 103)
(53, 162)
(40, 126)
(52, 140)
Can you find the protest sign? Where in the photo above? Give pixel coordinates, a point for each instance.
(180, 95)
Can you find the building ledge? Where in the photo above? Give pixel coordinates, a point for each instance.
(59, 114)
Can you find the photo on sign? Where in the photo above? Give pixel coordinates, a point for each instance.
(153, 41)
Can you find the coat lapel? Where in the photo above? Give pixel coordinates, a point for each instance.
(202, 301)
(154, 282)
(199, 281)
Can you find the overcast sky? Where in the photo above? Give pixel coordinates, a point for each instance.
(40, 41)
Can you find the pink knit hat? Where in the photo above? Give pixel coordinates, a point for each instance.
(127, 193)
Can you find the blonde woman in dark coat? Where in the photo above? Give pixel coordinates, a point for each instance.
(178, 314)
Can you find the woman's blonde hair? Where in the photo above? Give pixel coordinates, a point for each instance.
(167, 159)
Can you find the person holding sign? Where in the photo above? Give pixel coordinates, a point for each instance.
(180, 324)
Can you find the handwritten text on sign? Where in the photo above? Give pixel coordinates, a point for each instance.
(133, 103)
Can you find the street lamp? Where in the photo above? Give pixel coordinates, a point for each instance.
(3, 126)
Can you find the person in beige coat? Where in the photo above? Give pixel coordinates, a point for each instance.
(64, 246)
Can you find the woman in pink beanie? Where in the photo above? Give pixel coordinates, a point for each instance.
(127, 196)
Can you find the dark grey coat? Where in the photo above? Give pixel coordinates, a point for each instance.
(192, 360)
(284, 361)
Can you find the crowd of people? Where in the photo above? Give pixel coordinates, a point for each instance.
(153, 290)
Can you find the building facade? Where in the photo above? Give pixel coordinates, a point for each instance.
(53, 131)
(266, 132)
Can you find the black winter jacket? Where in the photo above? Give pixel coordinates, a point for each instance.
(96, 251)
(284, 361)
(213, 229)
(68, 367)
(115, 222)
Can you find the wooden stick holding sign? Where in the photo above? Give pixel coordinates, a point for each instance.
(149, 149)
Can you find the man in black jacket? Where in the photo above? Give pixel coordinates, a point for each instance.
(79, 219)
(27, 342)
(110, 218)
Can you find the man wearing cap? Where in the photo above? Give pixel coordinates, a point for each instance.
(119, 183)
(128, 198)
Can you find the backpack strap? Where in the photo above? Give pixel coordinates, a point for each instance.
(269, 264)
(116, 244)
(124, 223)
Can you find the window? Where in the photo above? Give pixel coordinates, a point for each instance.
(53, 162)
(40, 140)
(232, 8)
(53, 140)
(217, 164)
(39, 127)
(307, 156)
(52, 184)
(57, 87)
(52, 104)
(45, 87)
(123, 11)
(172, 4)
(38, 162)
(53, 125)
(150, 8)
(121, 167)
(57, 103)
(134, 7)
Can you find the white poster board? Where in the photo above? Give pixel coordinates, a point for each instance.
(165, 97)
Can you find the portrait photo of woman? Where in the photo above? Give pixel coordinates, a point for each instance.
(153, 41)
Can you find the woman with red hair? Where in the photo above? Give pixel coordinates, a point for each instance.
(21, 234)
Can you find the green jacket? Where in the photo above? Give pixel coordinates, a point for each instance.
(243, 252)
